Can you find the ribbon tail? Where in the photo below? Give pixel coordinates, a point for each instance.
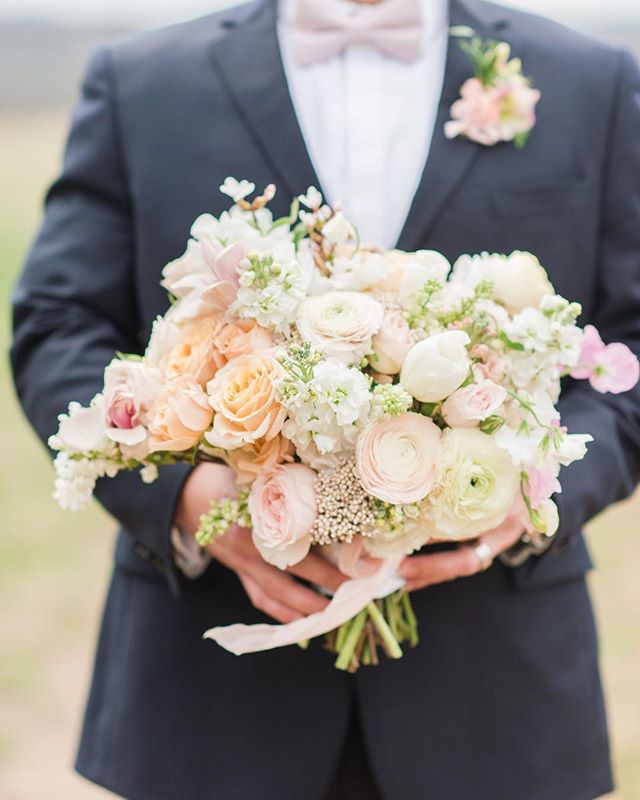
(349, 600)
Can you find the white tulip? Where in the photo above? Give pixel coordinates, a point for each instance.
(436, 366)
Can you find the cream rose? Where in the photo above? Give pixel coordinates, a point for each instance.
(519, 279)
(396, 457)
(258, 458)
(391, 344)
(436, 366)
(475, 487)
(340, 324)
(466, 408)
(243, 395)
(179, 416)
(196, 354)
(283, 509)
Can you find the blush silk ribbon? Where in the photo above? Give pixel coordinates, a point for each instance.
(370, 579)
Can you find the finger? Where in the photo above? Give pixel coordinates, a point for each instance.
(266, 603)
(318, 570)
(421, 571)
(287, 589)
(503, 536)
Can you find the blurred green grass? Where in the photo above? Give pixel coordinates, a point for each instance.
(54, 566)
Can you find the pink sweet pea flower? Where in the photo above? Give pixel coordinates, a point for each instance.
(608, 367)
(541, 484)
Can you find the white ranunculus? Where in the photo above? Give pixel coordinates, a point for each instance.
(519, 279)
(340, 324)
(436, 366)
(475, 488)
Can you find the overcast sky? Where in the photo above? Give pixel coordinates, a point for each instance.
(154, 12)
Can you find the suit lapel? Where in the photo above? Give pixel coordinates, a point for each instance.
(449, 160)
(250, 65)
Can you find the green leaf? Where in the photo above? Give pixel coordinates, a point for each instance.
(492, 424)
(509, 343)
(520, 140)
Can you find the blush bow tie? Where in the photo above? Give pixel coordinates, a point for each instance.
(324, 28)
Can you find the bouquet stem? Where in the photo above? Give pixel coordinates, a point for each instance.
(386, 623)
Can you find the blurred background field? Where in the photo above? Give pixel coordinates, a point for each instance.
(54, 567)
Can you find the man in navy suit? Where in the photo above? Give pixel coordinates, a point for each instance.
(502, 699)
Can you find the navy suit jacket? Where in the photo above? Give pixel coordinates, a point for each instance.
(163, 118)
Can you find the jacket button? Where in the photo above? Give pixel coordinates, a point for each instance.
(142, 550)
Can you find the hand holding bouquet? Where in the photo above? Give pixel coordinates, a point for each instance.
(367, 401)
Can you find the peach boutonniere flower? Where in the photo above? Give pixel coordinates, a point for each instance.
(498, 103)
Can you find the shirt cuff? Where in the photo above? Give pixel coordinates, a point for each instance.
(191, 559)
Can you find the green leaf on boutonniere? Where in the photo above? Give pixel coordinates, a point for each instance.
(520, 139)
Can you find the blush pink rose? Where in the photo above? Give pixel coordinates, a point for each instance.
(608, 367)
(283, 509)
(130, 389)
(396, 457)
(391, 344)
(467, 407)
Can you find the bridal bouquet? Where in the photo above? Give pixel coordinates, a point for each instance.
(368, 402)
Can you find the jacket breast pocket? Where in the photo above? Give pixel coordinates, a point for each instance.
(544, 198)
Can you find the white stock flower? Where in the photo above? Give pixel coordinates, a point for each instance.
(340, 324)
(312, 199)
(436, 366)
(519, 279)
(475, 486)
(272, 285)
(76, 479)
(326, 413)
(237, 190)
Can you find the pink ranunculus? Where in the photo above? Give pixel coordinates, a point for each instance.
(283, 509)
(467, 407)
(391, 344)
(396, 457)
(608, 367)
(540, 485)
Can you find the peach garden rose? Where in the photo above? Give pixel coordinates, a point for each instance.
(243, 395)
(179, 416)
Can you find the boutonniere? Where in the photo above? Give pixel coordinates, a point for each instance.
(498, 103)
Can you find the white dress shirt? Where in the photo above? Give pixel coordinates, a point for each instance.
(367, 120)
